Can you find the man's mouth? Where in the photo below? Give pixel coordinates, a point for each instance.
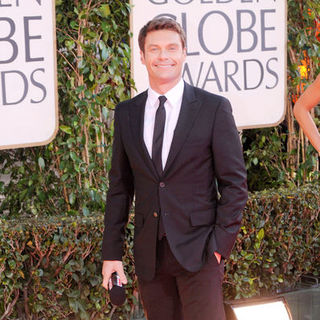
(164, 66)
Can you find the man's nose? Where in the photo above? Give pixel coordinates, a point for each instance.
(163, 54)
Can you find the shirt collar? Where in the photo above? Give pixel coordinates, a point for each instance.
(173, 96)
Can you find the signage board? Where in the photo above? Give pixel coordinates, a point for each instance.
(235, 48)
(28, 86)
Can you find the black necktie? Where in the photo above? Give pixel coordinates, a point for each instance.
(157, 141)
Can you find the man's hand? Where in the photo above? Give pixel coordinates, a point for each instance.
(218, 256)
(110, 266)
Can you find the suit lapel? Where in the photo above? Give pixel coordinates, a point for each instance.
(136, 119)
(189, 109)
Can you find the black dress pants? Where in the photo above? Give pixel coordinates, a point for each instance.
(177, 294)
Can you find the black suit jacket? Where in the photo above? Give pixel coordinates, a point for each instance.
(200, 195)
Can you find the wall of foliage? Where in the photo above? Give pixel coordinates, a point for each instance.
(53, 198)
(70, 174)
(282, 155)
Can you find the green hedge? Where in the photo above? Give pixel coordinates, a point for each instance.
(278, 243)
(51, 268)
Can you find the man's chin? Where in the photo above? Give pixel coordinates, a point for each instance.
(167, 78)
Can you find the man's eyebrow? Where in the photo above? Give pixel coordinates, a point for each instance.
(152, 45)
(174, 44)
(169, 44)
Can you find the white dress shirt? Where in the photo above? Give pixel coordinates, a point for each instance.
(172, 106)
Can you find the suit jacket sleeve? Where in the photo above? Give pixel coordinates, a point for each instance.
(231, 178)
(119, 196)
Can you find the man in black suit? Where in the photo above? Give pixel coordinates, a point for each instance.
(177, 150)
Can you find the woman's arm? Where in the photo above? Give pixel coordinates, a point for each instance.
(309, 99)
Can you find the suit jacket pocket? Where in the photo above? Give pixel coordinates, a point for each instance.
(202, 218)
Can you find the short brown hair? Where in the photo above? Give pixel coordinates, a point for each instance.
(161, 24)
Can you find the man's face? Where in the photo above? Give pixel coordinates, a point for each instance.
(163, 57)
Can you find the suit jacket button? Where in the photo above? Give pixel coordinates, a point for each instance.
(162, 184)
(155, 214)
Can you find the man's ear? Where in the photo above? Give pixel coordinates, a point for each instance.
(142, 57)
(185, 52)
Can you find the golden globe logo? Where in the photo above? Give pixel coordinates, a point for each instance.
(236, 48)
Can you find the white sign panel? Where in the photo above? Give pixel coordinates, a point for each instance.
(28, 94)
(235, 48)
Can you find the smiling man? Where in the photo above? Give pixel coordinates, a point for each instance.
(177, 150)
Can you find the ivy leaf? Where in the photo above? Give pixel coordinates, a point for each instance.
(72, 198)
(66, 129)
(104, 10)
(41, 163)
(12, 264)
(85, 211)
(40, 296)
(249, 256)
(260, 234)
(104, 53)
(105, 112)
